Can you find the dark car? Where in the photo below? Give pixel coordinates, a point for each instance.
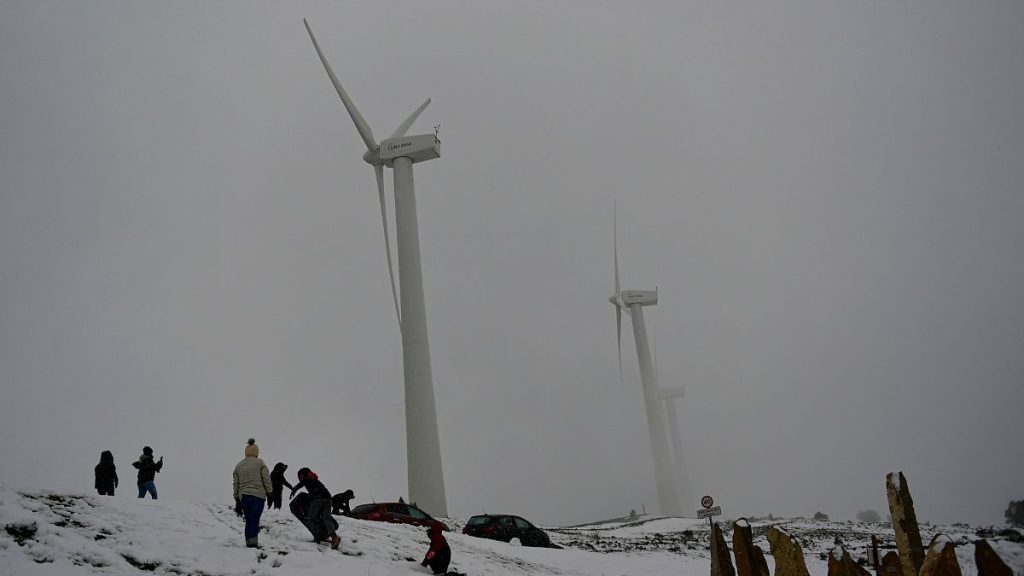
(397, 512)
(505, 527)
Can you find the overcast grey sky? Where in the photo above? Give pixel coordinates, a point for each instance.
(828, 196)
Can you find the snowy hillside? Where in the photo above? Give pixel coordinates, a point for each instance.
(49, 533)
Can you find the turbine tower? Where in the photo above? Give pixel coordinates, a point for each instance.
(399, 152)
(633, 302)
(668, 396)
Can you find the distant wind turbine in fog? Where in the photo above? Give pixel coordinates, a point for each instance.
(668, 398)
(399, 152)
(633, 302)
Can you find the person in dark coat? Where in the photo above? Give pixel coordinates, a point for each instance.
(278, 482)
(439, 555)
(147, 472)
(339, 503)
(106, 474)
(319, 511)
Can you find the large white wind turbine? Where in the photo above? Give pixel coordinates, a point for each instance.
(633, 302)
(399, 152)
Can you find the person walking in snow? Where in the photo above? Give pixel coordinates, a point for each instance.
(318, 515)
(440, 554)
(278, 481)
(106, 474)
(252, 487)
(147, 472)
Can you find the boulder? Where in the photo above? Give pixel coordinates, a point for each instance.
(904, 523)
(750, 559)
(841, 564)
(789, 556)
(721, 562)
(941, 558)
(985, 558)
(890, 564)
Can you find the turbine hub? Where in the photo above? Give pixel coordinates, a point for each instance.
(372, 157)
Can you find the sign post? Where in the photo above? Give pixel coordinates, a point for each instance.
(709, 509)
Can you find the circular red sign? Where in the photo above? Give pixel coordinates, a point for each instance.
(707, 501)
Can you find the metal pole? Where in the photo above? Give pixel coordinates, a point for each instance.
(874, 548)
(664, 475)
(423, 447)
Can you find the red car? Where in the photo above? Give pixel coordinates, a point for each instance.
(397, 512)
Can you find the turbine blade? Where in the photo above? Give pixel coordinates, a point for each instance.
(353, 112)
(618, 291)
(618, 337)
(615, 242)
(404, 126)
(379, 171)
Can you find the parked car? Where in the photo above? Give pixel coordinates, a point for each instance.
(505, 527)
(397, 512)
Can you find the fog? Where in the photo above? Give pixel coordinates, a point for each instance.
(827, 196)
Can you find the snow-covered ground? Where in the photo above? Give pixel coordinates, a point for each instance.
(49, 533)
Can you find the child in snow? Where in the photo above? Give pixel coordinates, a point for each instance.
(147, 472)
(439, 555)
(278, 482)
(106, 474)
(339, 503)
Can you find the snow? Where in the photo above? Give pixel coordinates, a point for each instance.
(50, 533)
(838, 552)
(940, 542)
(897, 484)
(742, 523)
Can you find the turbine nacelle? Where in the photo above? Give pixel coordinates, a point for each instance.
(670, 393)
(418, 148)
(627, 298)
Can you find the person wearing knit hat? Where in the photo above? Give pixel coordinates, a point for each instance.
(251, 488)
(147, 472)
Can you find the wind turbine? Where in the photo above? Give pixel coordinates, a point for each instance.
(633, 302)
(399, 152)
(668, 397)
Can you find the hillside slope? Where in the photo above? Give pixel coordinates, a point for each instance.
(48, 533)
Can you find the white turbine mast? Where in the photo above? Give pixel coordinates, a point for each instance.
(633, 302)
(399, 152)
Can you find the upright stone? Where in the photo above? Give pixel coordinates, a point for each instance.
(985, 558)
(891, 565)
(904, 523)
(789, 556)
(759, 563)
(721, 562)
(750, 560)
(841, 564)
(941, 558)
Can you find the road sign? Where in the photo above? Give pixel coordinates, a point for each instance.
(707, 502)
(708, 512)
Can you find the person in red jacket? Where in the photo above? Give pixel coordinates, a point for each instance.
(439, 555)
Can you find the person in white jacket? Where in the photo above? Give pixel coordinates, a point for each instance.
(251, 488)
